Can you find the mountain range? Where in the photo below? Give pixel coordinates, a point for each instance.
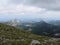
(41, 27)
(42, 33)
(10, 35)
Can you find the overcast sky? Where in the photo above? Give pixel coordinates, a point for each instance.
(30, 9)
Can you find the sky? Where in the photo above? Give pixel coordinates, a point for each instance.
(29, 9)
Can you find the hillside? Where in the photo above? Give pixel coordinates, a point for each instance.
(46, 29)
(13, 36)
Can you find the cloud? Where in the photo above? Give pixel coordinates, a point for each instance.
(45, 9)
(9, 10)
(48, 4)
(50, 15)
(18, 9)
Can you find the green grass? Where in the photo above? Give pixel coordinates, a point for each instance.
(13, 36)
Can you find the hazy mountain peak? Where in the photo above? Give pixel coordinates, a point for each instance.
(13, 22)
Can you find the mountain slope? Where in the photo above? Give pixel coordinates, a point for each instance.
(43, 28)
(13, 36)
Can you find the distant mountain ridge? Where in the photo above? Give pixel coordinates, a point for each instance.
(43, 28)
(55, 22)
